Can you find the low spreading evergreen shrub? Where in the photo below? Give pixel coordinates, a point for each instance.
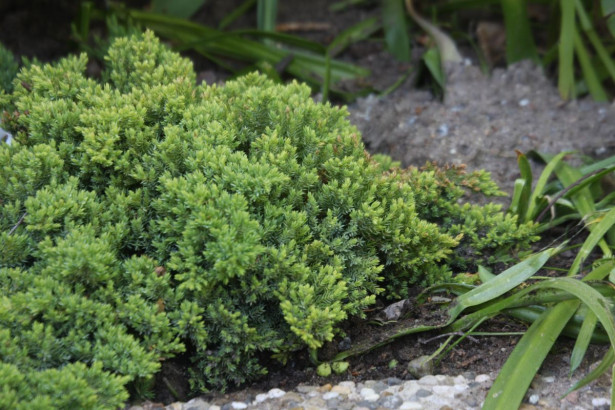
(143, 216)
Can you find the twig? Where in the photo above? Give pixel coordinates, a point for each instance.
(447, 335)
(18, 223)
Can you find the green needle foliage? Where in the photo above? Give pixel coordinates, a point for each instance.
(143, 217)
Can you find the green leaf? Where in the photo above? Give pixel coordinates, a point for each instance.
(307, 66)
(608, 7)
(598, 45)
(236, 13)
(396, 29)
(566, 50)
(542, 182)
(526, 189)
(514, 378)
(177, 8)
(504, 282)
(582, 342)
(518, 202)
(432, 61)
(599, 227)
(604, 366)
(589, 74)
(519, 40)
(353, 34)
(266, 14)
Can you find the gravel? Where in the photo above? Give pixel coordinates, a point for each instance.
(437, 392)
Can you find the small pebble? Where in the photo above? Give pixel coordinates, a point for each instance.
(534, 398)
(369, 394)
(482, 378)
(275, 393)
(238, 405)
(330, 395)
(411, 405)
(601, 401)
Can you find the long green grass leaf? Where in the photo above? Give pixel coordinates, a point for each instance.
(608, 11)
(604, 366)
(600, 227)
(307, 66)
(266, 14)
(353, 34)
(526, 190)
(518, 201)
(519, 39)
(504, 282)
(598, 45)
(526, 358)
(396, 29)
(236, 13)
(582, 342)
(599, 305)
(542, 183)
(589, 73)
(177, 8)
(566, 50)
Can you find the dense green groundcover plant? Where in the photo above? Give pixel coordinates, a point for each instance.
(143, 216)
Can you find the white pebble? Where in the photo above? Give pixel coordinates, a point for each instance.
(443, 130)
(446, 391)
(428, 380)
(524, 102)
(349, 384)
(601, 401)
(239, 405)
(369, 394)
(275, 393)
(408, 390)
(261, 397)
(459, 387)
(339, 389)
(548, 379)
(330, 395)
(482, 378)
(459, 380)
(411, 405)
(534, 398)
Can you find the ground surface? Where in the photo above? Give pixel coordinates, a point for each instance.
(481, 122)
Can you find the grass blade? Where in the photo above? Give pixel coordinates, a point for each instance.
(178, 8)
(542, 182)
(358, 32)
(307, 66)
(236, 13)
(266, 14)
(501, 284)
(600, 227)
(582, 342)
(519, 40)
(526, 190)
(523, 363)
(589, 74)
(566, 50)
(589, 31)
(396, 29)
(518, 202)
(446, 46)
(605, 365)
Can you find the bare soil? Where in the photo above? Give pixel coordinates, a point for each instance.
(482, 120)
